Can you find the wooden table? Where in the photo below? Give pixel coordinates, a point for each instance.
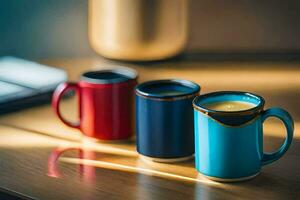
(88, 170)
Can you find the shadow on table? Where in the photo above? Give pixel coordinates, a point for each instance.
(201, 56)
(10, 195)
(280, 180)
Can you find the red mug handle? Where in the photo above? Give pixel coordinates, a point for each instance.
(57, 95)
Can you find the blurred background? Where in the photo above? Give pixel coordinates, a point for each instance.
(250, 40)
(35, 29)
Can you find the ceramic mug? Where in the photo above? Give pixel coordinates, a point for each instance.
(229, 144)
(106, 100)
(164, 120)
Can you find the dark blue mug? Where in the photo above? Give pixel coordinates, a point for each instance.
(164, 119)
(229, 144)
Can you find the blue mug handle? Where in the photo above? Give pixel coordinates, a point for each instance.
(286, 118)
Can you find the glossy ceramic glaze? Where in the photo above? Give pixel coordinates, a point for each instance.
(229, 145)
(164, 122)
(105, 103)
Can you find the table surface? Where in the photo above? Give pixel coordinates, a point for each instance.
(43, 159)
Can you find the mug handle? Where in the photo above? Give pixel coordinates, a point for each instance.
(57, 95)
(287, 120)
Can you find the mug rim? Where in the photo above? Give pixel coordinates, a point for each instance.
(127, 73)
(194, 88)
(256, 108)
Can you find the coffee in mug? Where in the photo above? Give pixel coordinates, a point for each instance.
(229, 135)
(229, 106)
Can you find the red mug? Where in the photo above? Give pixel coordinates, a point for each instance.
(106, 99)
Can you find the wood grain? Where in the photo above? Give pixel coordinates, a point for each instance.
(115, 171)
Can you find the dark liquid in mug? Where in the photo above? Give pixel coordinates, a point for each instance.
(229, 106)
(170, 92)
(106, 75)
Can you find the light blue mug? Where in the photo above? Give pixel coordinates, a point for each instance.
(229, 144)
